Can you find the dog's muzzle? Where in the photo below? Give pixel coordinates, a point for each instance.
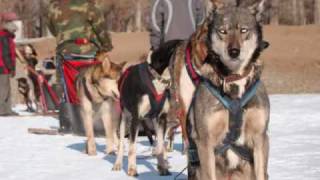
(234, 53)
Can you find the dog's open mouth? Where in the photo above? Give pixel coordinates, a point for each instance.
(235, 60)
(232, 63)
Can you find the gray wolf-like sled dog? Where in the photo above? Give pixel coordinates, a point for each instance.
(216, 81)
(98, 94)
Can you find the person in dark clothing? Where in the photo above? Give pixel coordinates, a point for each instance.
(174, 20)
(7, 61)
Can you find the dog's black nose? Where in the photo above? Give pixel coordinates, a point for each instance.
(234, 53)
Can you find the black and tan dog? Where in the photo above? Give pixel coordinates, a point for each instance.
(229, 113)
(98, 93)
(24, 90)
(144, 90)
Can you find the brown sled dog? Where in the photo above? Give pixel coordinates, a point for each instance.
(98, 93)
(182, 87)
(24, 90)
(229, 114)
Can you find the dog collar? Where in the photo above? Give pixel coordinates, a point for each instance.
(194, 75)
(237, 77)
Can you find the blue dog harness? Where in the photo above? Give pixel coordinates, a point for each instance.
(235, 108)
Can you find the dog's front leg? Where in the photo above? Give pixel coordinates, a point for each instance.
(87, 113)
(118, 164)
(115, 126)
(170, 137)
(132, 157)
(207, 161)
(260, 155)
(160, 148)
(108, 127)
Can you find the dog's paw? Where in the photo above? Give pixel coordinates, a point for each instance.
(111, 152)
(163, 171)
(91, 152)
(169, 148)
(132, 172)
(154, 152)
(91, 149)
(117, 167)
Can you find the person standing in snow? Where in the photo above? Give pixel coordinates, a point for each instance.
(70, 21)
(7, 60)
(74, 19)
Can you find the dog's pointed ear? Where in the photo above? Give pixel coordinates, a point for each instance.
(264, 45)
(103, 57)
(106, 64)
(199, 41)
(216, 4)
(121, 65)
(258, 8)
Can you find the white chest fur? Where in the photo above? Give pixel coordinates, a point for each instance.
(159, 86)
(187, 88)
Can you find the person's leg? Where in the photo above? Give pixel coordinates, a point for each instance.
(5, 95)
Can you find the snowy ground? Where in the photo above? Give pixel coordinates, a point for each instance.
(294, 153)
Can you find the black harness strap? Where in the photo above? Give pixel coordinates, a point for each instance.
(86, 90)
(88, 94)
(104, 97)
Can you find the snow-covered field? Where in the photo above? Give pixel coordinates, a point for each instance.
(294, 153)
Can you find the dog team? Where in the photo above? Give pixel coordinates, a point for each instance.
(208, 82)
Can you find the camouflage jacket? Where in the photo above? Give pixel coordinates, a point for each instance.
(72, 19)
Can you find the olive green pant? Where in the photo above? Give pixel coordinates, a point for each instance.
(5, 94)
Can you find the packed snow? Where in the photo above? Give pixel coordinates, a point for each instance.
(294, 148)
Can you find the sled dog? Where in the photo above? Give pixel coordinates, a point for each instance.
(229, 111)
(98, 94)
(144, 97)
(24, 90)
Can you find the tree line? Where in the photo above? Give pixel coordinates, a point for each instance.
(134, 15)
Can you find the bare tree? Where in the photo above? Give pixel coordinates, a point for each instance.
(317, 12)
(301, 12)
(134, 15)
(295, 12)
(138, 15)
(275, 12)
(7, 5)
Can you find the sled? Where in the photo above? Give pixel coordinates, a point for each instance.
(69, 66)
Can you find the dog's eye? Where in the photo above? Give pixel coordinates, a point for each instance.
(222, 31)
(244, 30)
